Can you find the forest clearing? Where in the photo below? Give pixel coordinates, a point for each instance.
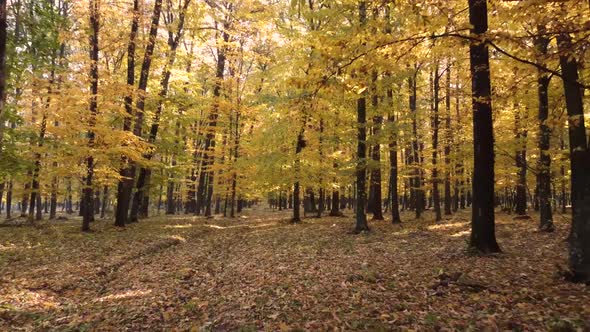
(263, 273)
(294, 165)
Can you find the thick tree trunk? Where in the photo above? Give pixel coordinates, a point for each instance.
(483, 234)
(579, 251)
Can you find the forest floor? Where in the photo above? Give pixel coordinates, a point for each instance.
(259, 272)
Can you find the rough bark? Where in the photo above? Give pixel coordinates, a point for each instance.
(435, 130)
(88, 215)
(140, 106)
(483, 234)
(125, 185)
(579, 250)
(145, 174)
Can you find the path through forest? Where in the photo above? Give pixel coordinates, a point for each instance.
(259, 272)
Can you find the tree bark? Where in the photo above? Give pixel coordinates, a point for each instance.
(3, 73)
(483, 234)
(435, 129)
(140, 105)
(125, 185)
(376, 196)
(296, 187)
(579, 250)
(520, 158)
(448, 142)
(145, 174)
(87, 191)
(417, 192)
(361, 167)
(544, 172)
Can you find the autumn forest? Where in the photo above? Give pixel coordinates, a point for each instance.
(294, 165)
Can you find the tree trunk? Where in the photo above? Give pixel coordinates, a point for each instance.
(579, 251)
(520, 158)
(105, 195)
(417, 192)
(544, 172)
(435, 128)
(9, 200)
(296, 187)
(140, 106)
(53, 199)
(125, 185)
(393, 196)
(173, 42)
(483, 234)
(375, 184)
(87, 192)
(3, 73)
(361, 167)
(448, 142)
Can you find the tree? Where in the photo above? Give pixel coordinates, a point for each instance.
(3, 73)
(125, 185)
(361, 166)
(483, 235)
(88, 188)
(544, 169)
(140, 103)
(579, 250)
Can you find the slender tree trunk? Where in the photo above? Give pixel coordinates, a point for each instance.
(520, 159)
(394, 198)
(87, 191)
(2, 187)
(125, 185)
(483, 234)
(435, 129)
(208, 155)
(105, 195)
(544, 172)
(375, 184)
(3, 73)
(296, 188)
(53, 200)
(9, 200)
(145, 174)
(579, 251)
(140, 106)
(418, 195)
(448, 142)
(361, 167)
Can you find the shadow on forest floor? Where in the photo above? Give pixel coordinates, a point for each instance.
(259, 272)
